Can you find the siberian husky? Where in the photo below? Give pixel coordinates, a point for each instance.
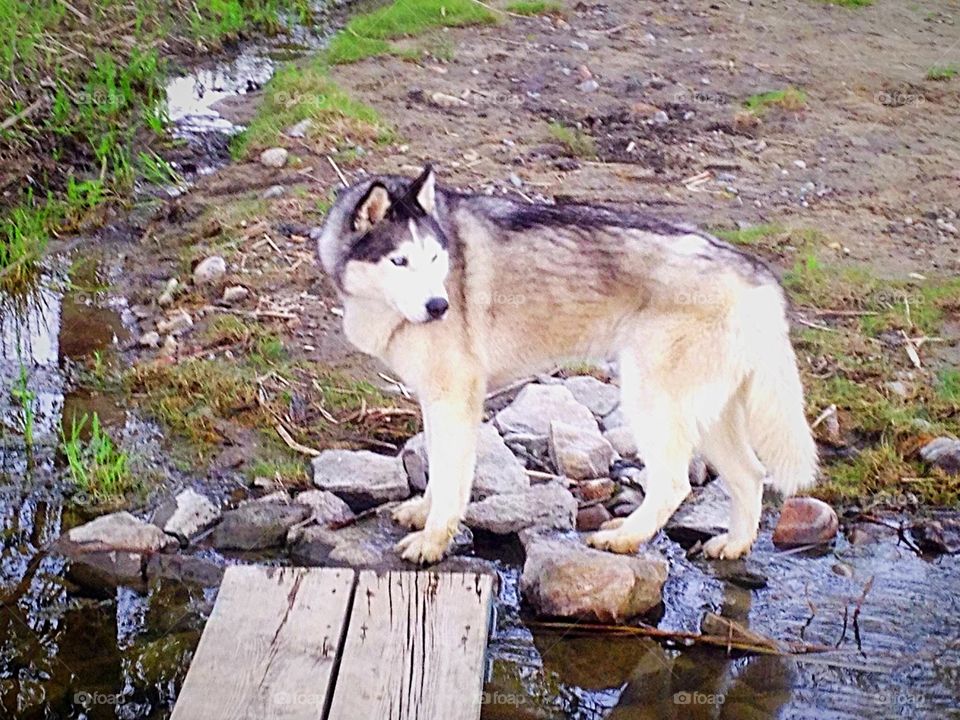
(461, 293)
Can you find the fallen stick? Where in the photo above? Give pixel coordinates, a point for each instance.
(293, 444)
(681, 637)
(26, 112)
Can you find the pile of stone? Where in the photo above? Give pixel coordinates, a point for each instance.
(554, 462)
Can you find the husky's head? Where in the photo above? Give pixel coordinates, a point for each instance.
(390, 246)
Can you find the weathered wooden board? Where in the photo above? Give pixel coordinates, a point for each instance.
(269, 647)
(415, 647)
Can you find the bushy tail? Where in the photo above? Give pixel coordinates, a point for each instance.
(773, 394)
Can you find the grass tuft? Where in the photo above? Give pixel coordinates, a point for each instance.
(367, 35)
(577, 142)
(941, 73)
(753, 235)
(536, 7)
(787, 99)
(97, 467)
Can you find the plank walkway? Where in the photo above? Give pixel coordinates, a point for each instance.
(325, 644)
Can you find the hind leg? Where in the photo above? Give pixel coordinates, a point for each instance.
(665, 442)
(727, 448)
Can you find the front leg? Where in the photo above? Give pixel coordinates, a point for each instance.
(412, 513)
(453, 421)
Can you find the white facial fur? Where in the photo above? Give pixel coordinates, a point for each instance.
(405, 287)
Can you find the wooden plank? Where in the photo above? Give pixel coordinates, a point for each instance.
(415, 647)
(269, 647)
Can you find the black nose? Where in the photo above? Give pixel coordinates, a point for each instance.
(436, 307)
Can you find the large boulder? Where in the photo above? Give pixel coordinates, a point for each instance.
(257, 525)
(579, 454)
(498, 470)
(537, 405)
(118, 531)
(187, 515)
(562, 577)
(550, 505)
(600, 398)
(111, 550)
(805, 521)
(361, 477)
(944, 453)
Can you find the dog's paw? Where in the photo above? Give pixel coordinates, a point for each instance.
(617, 541)
(612, 524)
(424, 547)
(412, 513)
(723, 547)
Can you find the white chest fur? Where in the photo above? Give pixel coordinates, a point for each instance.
(368, 324)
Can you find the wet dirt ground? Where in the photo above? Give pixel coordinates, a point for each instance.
(872, 161)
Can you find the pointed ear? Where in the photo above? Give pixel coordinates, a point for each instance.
(424, 190)
(372, 208)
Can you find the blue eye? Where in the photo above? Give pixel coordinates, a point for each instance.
(399, 261)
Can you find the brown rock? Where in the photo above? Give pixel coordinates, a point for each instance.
(600, 489)
(805, 521)
(562, 577)
(591, 518)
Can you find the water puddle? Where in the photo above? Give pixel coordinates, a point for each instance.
(898, 657)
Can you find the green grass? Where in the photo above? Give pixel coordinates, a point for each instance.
(787, 99)
(948, 386)
(100, 122)
(942, 72)
(753, 235)
(368, 34)
(574, 140)
(24, 397)
(299, 93)
(98, 468)
(536, 7)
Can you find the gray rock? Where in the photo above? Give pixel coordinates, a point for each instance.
(622, 440)
(600, 398)
(944, 453)
(592, 517)
(185, 568)
(186, 516)
(235, 294)
(368, 544)
(705, 513)
(110, 551)
(498, 470)
(326, 508)
(616, 419)
(443, 100)
(169, 292)
(209, 270)
(579, 454)
(940, 534)
(589, 86)
(562, 577)
(361, 477)
(533, 450)
(274, 191)
(299, 130)
(549, 505)
(118, 531)
(257, 526)
(175, 323)
(537, 405)
(274, 157)
(149, 339)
